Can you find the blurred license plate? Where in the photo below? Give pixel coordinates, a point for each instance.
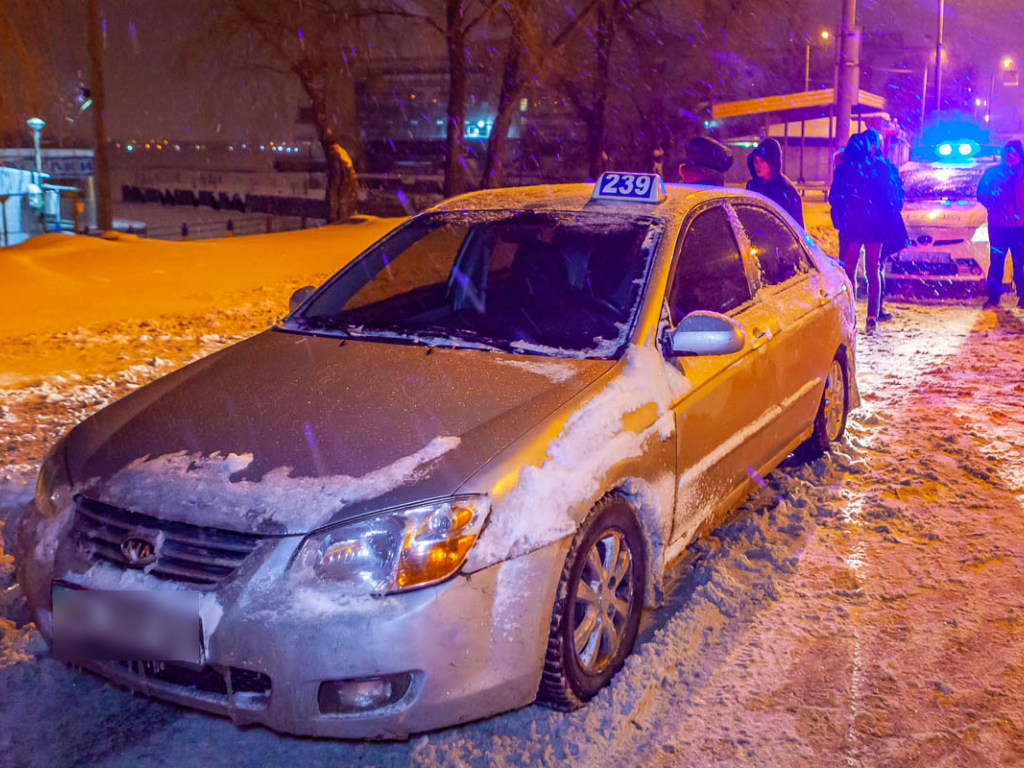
(128, 625)
(928, 257)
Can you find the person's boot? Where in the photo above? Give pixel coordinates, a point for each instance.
(884, 316)
(869, 327)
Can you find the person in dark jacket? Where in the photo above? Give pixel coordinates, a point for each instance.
(705, 161)
(766, 178)
(894, 236)
(1001, 191)
(861, 199)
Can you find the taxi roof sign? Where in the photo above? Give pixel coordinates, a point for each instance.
(632, 187)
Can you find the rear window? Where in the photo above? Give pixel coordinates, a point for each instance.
(562, 284)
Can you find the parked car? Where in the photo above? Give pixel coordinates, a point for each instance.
(448, 482)
(947, 226)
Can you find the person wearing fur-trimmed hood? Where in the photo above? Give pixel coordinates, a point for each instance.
(766, 178)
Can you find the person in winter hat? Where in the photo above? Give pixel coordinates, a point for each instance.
(766, 178)
(1001, 191)
(861, 200)
(705, 161)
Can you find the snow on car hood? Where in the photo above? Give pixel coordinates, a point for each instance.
(937, 213)
(284, 433)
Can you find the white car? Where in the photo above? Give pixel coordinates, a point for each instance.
(947, 227)
(449, 481)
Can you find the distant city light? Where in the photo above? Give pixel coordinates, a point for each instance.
(825, 34)
(1007, 62)
(129, 147)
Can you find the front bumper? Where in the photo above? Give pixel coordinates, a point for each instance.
(960, 263)
(475, 644)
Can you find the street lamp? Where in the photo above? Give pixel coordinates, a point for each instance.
(36, 124)
(825, 35)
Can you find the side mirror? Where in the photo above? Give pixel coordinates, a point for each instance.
(706, 333)
(300, 296)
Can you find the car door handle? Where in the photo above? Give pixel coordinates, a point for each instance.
(761, 338)
(824, 298)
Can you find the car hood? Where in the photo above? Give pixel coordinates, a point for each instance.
(935, 214)
(284, 433)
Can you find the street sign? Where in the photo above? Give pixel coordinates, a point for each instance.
(68, 167)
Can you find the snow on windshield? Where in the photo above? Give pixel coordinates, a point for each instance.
(564, 284)
(942, 182)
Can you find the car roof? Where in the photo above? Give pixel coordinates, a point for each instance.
(679, 200)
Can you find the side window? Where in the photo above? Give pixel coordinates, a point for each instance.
(709, 268)
(775, 250)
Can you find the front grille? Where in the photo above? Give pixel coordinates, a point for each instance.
(247, 687)
(186, 552)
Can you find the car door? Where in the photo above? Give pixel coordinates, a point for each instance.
(721, 418)
(804, 343)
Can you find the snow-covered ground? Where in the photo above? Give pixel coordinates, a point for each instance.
(867, 609)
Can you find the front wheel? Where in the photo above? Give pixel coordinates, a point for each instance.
(597, 606)
(830, 420)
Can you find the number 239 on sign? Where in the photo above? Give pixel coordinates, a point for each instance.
(635, 187)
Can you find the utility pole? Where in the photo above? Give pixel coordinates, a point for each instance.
(938, 59)
(847, 71)
(101, 168)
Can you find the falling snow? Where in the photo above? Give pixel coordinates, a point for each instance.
(865, 609)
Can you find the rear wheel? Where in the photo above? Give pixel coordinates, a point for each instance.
(830, 420)
(597, 606)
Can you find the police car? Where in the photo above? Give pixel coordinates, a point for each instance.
(946, 225)
(448, 482)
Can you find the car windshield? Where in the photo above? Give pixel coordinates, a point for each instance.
(558, 284)
(942, 182)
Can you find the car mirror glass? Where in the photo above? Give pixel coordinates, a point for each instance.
(706, 333)
(300, 296)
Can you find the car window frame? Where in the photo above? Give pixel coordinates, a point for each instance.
(691, 216)
(754, 271)
(656, 230)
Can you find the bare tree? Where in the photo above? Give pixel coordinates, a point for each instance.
(318, 42)
(536, 39)
(455, 21)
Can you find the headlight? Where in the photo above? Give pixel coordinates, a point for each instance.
(396, 550)
(53, 488)
(980, 234)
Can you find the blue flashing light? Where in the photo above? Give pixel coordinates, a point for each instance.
(964, 150)
(945, 150)
(129, 147)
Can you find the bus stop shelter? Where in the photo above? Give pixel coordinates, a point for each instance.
(805, 119)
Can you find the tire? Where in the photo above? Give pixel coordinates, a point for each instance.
(830, 420)
(594, 609)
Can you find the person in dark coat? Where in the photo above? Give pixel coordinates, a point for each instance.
(1001, 191)
(705, 161)
(766, 178)
(861, 200)
(894, 236)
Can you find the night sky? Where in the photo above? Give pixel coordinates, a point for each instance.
(152, 95)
